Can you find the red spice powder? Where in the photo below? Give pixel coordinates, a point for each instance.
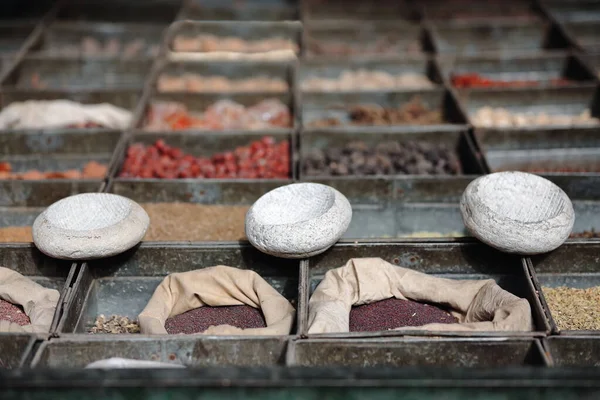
(395, 313)
(476, 80)
(200, 319)
(13, 313)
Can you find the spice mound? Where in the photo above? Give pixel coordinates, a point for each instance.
(490, 117)
(574, 309)
(115, 324)
(13, 313)
(384, 45)
(224, 114)
(91, 170)
(200, 319)
(16, 234)
(396, 313)
(210, 43)
(200, 84)
(387, 158)
(413, 112)
(263, 158)
(474, 80)
(363, 79)
(591, 234)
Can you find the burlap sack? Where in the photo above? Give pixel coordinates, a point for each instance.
(479, 305)
(217, 286)
(38, 302)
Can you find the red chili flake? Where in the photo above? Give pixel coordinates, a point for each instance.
(13, 313)
(395, 313)
(200, 319)
(472, 80)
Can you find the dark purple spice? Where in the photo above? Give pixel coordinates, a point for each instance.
(200, 319)
(13, 313)
(395, 313)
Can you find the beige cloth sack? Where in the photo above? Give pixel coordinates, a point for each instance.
(479, 305)
(217, 286)
(38, 302)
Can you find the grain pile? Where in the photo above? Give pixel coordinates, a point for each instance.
(211, 43)
(395, 313)
(114, 324)
(574, 309)
(195, 222)
(363, 79)
(200, 319)
(201, 84)
(13, 313)
(490, 117)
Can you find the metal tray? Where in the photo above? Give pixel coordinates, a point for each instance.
(456, 353)
(546, 160)
(502, 37)
(13, 36)
(332, 68)
(247, 30)
(58, 36)
(479, 11)
(77, 352)
(532, 138)
(585, 34)
(413, 40)
(317, 106)
(51, 273)
(238, 11)
(541, 68)
(402, 13)
(459, 260)
(15, 349)
(574, 264)
(18, 10)
(581, 11)
(592, 58)
(573, 351)
(123, 285)
(163, 11)
(40, 72)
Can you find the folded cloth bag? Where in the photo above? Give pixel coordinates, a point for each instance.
(124, 363)
(479, 305)
(217, 286)
(38, 302)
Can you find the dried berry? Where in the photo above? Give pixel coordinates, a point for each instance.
(200, 319)
(13, 313)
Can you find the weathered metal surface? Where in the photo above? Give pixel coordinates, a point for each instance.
(14, 350)
(573, 351)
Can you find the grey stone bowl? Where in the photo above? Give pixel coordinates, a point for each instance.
(517, 212)
(90, 226)
(298, 220)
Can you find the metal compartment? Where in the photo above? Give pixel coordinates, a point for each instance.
(571, 161)
(239, 11)
(585, 34)
(15, 349)
(77, 352)
(459, 260)
(574, 264)
(458, 353)
(401, 12)
(123, 285)
(320, 106)
(13, 36)
(476, 11)
(347, 39)
(72, 39)
(503, 37)
(573, 351)
(120, 11)
(39, 72)
(581, 11)
(333, 68)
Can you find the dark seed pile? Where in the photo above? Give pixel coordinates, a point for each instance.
(395, 313)
(413, 112)
(592, 234)
(13, 313)
(387, 158)
(200, 319)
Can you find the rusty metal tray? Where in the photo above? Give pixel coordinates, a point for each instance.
(15, 349)
(580, 11)
(238, 11)
(573, 351)
(585, 34)
(401, 12)
(474, 11)
(157, 11)
(13, 36)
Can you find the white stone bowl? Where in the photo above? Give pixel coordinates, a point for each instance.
(90, 226)
(517, 212)
(298, 220)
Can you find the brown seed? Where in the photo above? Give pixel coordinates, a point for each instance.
(115, 324)
(395, 313)
(200, 319)
(573, 308)
(16, 234)
(13, 313)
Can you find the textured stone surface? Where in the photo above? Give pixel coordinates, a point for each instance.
(517, 212)
(298, 220)
(89, 225)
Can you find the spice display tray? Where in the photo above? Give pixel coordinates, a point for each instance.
(585, 34)
(534, 137)
(247, 30)
(593, 60)
(479, 11)
(521, 67)
(198, 351)
(13, 36)
(332, 68)
(248, 11)
(502, 37)
(573, 351)
(40, 72)
(410, 39)
(15, 349)
(580, 11)
(546, 160)
(123, 285)
(318, 106)
(58, 35)
(400, 12)
(157, 11)
(575, 264)
(404, 352)
(465, 259)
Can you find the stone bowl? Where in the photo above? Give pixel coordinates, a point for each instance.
(90, 226)
(517, 212)
(298, 220)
